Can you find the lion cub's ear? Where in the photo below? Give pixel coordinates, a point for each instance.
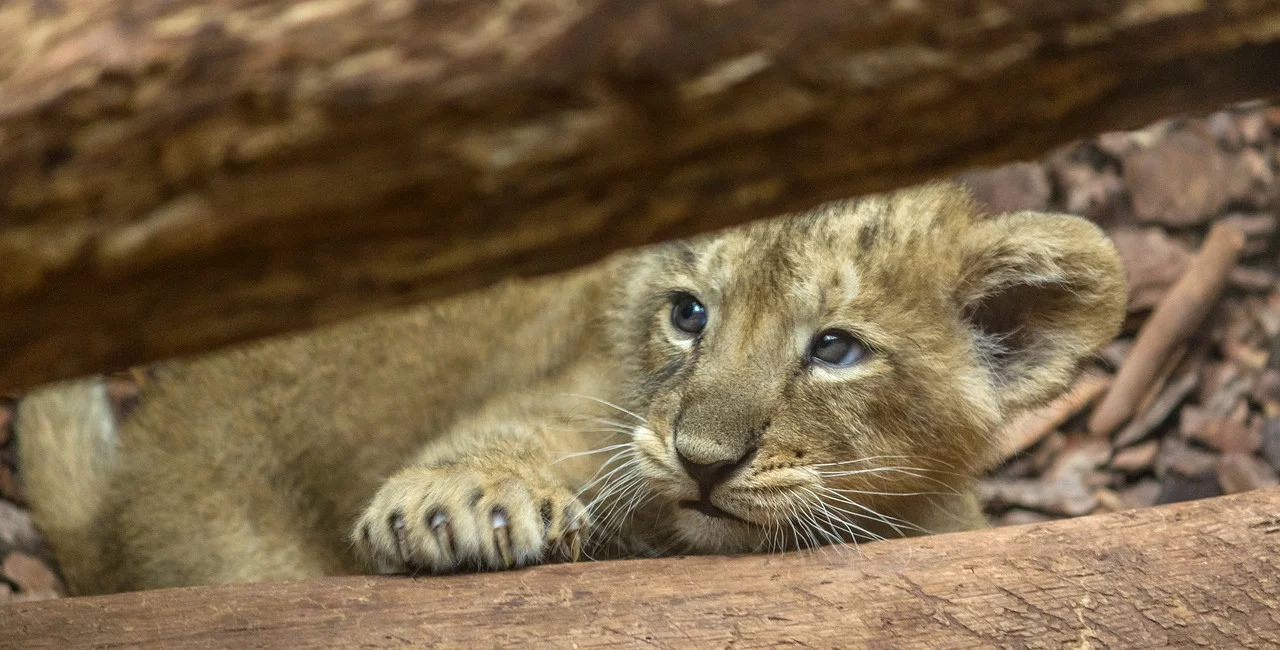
(1040, 292)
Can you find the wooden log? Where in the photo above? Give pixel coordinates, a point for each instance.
(180, 175)
(1199, 573)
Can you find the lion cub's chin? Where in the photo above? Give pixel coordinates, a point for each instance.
(708, 534)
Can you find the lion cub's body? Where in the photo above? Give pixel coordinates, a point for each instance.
(456, 435)
(252, 463)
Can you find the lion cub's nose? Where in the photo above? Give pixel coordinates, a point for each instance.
(708, 475)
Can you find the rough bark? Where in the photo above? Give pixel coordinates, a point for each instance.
(183, 174)
(1198, 573)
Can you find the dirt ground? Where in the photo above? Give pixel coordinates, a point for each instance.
(1207, 424)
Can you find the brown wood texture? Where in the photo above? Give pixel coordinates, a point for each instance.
(184, 174)
(1198, 574)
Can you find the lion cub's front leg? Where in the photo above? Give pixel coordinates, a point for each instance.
(494, 505)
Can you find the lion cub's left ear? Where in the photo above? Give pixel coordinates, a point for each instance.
(1040, 292)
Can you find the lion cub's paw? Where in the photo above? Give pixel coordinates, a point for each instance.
(443, 520)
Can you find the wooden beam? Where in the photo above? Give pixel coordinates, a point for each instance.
(181, 175)
(1200, 573)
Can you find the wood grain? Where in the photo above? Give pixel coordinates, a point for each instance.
(180, 175)
(1190, 574)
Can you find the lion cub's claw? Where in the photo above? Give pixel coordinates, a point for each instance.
(445, 520)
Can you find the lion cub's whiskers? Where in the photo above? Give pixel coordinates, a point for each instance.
(866, 459)
(819, 516)
(840, 530)
(853, 529)
(917, 472)
(812, 524)
(619, 499)
(605, 402)
(627, 469)
(592, 452)
(624, 505)
(914, 472)
(596, 478)
(895, 522)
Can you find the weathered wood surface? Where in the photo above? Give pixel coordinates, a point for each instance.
(1199, 574)
(183, 174)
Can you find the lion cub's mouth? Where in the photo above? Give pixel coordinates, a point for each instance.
(711, 510)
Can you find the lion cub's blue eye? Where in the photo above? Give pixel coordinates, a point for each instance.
(837, 348)
(688, 315)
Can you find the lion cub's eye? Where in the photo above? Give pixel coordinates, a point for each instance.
(688, 315)
(837, 348)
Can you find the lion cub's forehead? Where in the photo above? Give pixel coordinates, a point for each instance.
(833, 254)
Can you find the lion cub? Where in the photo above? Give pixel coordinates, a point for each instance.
(831, 377)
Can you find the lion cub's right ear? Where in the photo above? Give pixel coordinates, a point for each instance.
(1040, 292)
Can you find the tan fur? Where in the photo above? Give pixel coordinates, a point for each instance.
(456, 435)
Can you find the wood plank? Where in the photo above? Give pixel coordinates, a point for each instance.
(1200, 573)
(180, 175)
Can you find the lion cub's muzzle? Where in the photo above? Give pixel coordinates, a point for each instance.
(710, 474)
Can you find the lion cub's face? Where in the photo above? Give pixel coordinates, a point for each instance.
(823, 377)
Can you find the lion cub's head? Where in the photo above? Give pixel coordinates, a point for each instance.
(840, 373)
